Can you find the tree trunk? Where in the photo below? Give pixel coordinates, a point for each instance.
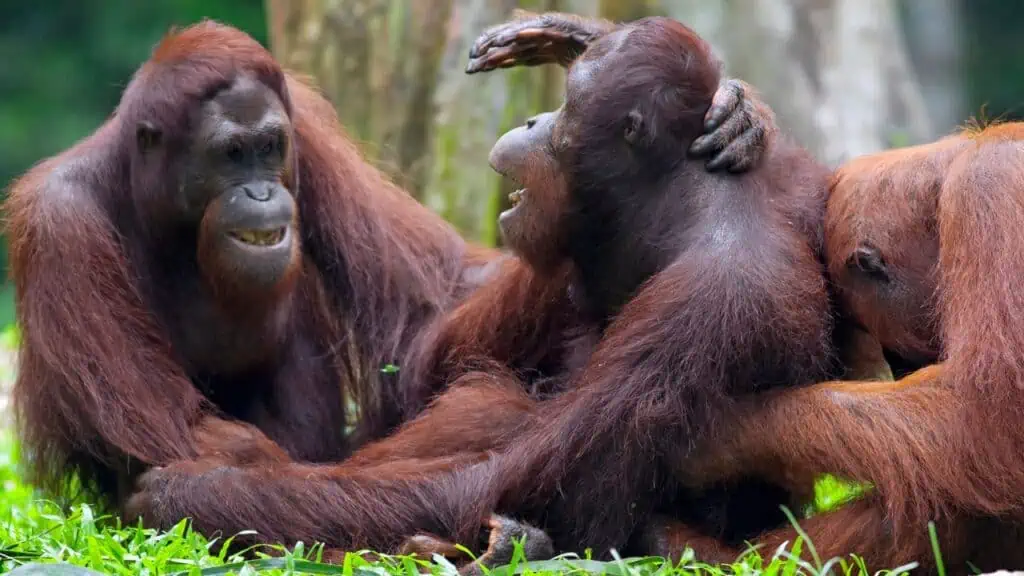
(626, 10)
(473, 111)
(835, 71)
(935, 42)
(376, 61)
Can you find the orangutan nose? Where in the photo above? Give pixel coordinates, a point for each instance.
(260, 192)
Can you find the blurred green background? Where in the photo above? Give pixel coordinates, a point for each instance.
(63, 64)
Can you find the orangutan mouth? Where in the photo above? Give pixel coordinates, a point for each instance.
(516, 197)
(259, 237)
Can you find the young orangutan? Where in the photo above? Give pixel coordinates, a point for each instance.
(703, 294)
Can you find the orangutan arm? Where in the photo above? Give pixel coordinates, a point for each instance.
(901, 436)
(535, 39)
(859, 528)
(508, 324)
(739, 126)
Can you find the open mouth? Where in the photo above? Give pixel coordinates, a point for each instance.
(516, 200)
(259, 237)
(516, 197)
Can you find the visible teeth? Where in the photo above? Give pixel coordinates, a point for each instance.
(260, 237)
(516, 197)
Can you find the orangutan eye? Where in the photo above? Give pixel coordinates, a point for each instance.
(868, 260)
(235, 153)
(268, 146)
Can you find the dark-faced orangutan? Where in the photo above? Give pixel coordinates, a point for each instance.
(923, 246)
(704, 296)
(216, 272)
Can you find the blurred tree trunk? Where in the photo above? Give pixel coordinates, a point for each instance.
(836, 72)
(626, 10)
(934, 31)
(395, 72)
(473, 111)
(377, 62)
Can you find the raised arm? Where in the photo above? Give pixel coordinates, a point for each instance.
(534, 39)
(739, 128)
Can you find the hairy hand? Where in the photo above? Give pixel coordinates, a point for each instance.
(531, 40)
(738, 129)
(157, 499)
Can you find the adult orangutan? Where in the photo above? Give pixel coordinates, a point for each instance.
(204, 280)
(923, 244)
(685, 326)
(217, 254)
(704, 294)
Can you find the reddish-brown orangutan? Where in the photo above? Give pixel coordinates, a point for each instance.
(216, 255)
(923, 245)
(703, 295)
(685, 327)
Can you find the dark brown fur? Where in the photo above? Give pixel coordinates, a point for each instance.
(125, 360)
(704, 293)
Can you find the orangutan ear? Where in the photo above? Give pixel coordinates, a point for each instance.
(869, 260)
(634, 128)
(147, 136)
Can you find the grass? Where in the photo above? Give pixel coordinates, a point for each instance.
(36, 530)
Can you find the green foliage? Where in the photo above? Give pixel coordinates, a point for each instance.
(831, 493)
(65, 66)
(10, 338)
(993, 59)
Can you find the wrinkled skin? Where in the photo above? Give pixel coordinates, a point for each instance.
(233, 185)
(533, 225)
